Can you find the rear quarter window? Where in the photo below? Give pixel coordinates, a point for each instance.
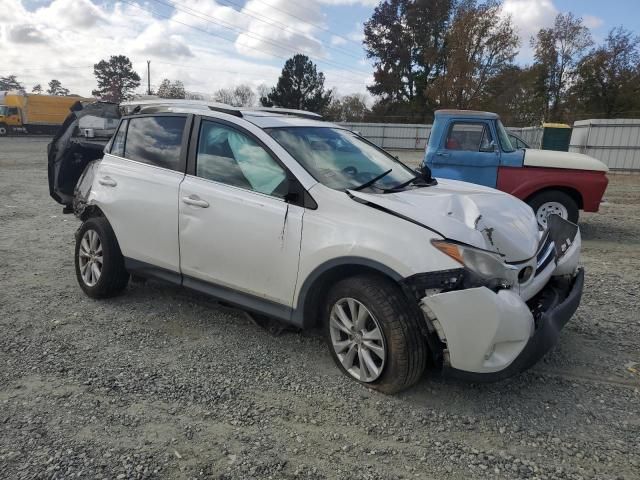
(155, 140)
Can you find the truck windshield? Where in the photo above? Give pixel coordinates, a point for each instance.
(505, 141)
(340, 159)
(4, 110)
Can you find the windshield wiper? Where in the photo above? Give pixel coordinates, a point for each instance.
(373, 180)
(402, 185)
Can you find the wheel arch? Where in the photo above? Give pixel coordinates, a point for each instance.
(316, 286)
(574, 193)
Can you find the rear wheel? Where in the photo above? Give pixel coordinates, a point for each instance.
(99, 263)
(552, 202)
(373, 334)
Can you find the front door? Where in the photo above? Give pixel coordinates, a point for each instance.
(239, 238)
(469, 153)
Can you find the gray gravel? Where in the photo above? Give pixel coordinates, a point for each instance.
(164, 383)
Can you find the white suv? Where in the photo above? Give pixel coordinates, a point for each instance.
(303, 221)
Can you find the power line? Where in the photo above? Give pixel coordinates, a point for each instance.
(281, 26)
(227, 26)
(321, 27)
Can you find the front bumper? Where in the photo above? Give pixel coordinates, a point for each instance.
(491, 336)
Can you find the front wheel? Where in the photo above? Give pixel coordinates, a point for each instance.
(99, 263)
(552, 202)
(373, 334)
(4, 130)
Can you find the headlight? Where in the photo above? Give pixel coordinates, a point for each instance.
(487, 267)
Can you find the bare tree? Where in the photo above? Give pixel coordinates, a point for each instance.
(169, 89)
(240, 96)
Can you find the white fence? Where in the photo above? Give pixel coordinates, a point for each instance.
(616, 143)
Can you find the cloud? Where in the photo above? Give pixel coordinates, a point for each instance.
(200, 44)
(591, 21)
(26, 34)
(529, 16)
(157, 40)
(336, 40)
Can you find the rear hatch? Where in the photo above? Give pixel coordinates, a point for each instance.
(81, 139)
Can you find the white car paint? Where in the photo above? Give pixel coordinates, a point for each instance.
(262, 246)
(141, 207)
(571, 160)
(243, 240)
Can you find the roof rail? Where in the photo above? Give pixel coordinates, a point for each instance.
(286, 111)
(157, 105)
(161, 104)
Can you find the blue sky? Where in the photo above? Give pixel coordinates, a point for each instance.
(211, 44)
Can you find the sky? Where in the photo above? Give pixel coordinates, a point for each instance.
(212, 44)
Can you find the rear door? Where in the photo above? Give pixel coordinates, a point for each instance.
(239, 238)
(138, 185)
(468, 152)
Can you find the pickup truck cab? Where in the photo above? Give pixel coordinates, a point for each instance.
(475, 147)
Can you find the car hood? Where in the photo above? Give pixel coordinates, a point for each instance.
(554, 159)
(475, 215)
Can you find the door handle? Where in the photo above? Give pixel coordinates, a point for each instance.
(107, 181)
(443, 154)
(195, 201)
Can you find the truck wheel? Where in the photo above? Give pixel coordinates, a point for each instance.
(373, 334)
(99, 263)
(3, 129)
(553, 202)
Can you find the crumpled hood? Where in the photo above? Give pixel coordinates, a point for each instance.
(472, 214)
(571, 160)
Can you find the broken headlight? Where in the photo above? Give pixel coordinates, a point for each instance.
(485, 268)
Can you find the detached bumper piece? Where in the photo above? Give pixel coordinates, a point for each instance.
(552, 308)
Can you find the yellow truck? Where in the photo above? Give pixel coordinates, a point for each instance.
(29, 113)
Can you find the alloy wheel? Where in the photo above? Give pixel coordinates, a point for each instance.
(357, 340)
(90, 258)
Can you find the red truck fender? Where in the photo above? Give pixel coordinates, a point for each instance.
(585, 186)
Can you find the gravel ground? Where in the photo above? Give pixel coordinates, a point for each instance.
(164, 383)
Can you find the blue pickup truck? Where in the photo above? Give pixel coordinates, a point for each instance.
(475, 147)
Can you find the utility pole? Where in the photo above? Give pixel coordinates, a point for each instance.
(148, 77)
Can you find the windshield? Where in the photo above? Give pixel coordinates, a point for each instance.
(4, 110)
(340, 159)
(505, 141)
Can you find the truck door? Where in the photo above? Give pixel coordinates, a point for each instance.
(468, 152)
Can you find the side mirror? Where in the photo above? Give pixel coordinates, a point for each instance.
(425, 175)
(491, 148)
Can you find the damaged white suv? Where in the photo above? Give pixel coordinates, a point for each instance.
(303, 221)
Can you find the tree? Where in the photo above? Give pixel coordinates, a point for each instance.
(512, 94)
(116, 79)
(169, 89)
(557, 51)
(56, 88)
(10, 82)
(240, 96)
(350, 108)
(480, 44)
(37, 89)
(406, 40)
(300, 86)
(607, 79)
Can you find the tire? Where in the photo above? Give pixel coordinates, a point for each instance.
(113, 277)
(544, 201)
(405, 349)
(4, 130)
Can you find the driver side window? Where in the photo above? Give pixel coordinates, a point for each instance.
(228, 156)
(471, 137)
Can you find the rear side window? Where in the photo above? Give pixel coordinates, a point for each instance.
(472, 137)
(117, 147)
(155, 140)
